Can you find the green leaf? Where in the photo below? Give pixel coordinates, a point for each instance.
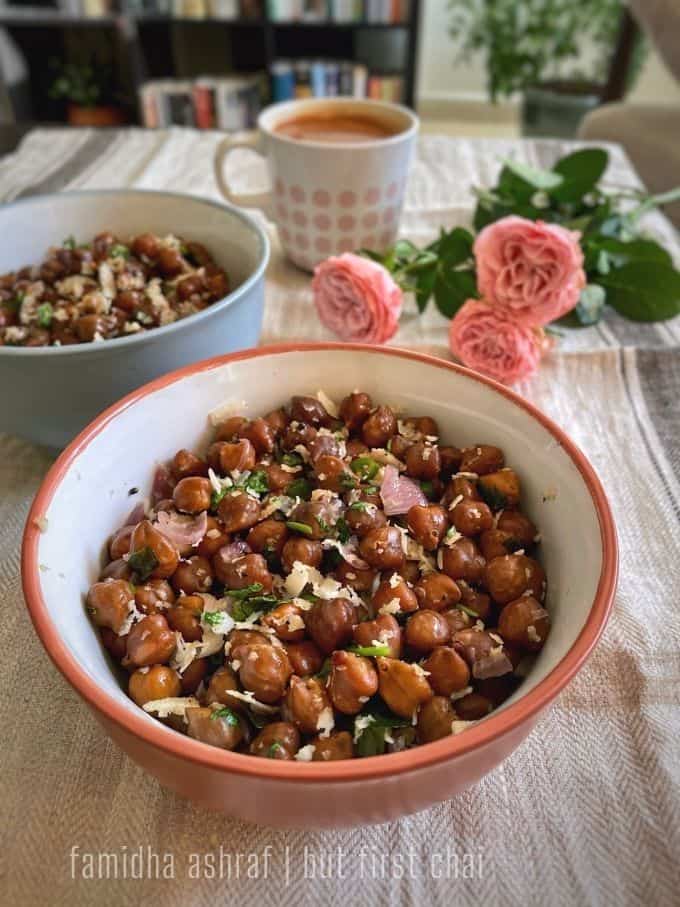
(644, 291)
(491, 496)
(452, 289)
(216, 497)
(343, 530)
(622, 253)
(453, 248)
(468, 611)
(424, 287)
(291, 459)
(537, 179)
(371, 739)
(143, 562)
(581, 172)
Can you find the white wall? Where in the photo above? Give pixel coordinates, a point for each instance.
(442, 78)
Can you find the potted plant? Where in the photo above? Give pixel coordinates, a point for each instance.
(556, 53)
(87, 90)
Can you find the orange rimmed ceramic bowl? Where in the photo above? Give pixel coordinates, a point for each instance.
(86, 495)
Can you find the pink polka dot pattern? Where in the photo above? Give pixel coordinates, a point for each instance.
(389, 215)
(370, 220)
(280, 188)
(297, 193)
(300, 218)
(322, 222)
(347, 222)
(372, 195)
(301, 241)
(346, 244)
(285, 234)
(321, 198)
(347, 199)
(282, 211)
(368, 242)
(323, 245)
(392, 190)
(386, 237)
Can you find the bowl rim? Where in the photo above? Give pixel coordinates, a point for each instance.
(91, 348)
(497, 725)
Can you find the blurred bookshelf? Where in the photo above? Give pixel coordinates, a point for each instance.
(214, 63)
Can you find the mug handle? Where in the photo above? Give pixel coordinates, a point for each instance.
(252, 143)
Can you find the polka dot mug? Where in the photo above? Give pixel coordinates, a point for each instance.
(327, 198)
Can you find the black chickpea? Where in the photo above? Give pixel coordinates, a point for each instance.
(262, 669)
(462, 560)
(436, 591)
(513, 575)
(422, 460)
(157, 682)
(482, 459)
(425, 630)
(395, 589)
(309, 410)
(241, 572)
(435, 719)
(305, 703)
(403, 686)
(305, 657)
(355, 409)
(209, 726)
(382, 548)
(306, 551)
(109, 603)
(427, 524)
(186, 464)
(379, 427)
(353, 680)
(384, 630)
(525, 623)
(278, 740)
(471, 517)
(193, 575)
(150, 641)
(185, 617)
(331, 623)
(192, 494)
(238, 511)
(448, 671)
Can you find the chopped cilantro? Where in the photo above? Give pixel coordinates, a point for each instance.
(291, 459)
(14, 304)
(229, 716)
(240, 595)
(365, 467)
(300, 488)
(119, 251)
(428, 488)
(371, 739)
(256, 482)
(216, 497)
(468, 611)
(302, 528)
(44, 313)
(69, 242)
(143, 562)
(274, 749)
(213, 618)
(347, 481)
(343, 530)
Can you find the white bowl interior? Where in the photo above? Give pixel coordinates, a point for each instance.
(31, 226)
(93, 499)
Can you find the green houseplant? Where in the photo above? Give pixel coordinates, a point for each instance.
(86, 88)
(555, 53)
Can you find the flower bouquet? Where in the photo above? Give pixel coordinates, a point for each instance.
(551, 248)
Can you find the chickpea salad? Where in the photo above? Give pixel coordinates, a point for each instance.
(327, 581)
(107, 288)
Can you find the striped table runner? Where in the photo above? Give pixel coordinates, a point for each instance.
(586, 811)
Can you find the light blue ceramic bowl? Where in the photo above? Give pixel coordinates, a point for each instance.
(48, 394)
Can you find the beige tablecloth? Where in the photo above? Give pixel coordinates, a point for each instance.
(586, 811)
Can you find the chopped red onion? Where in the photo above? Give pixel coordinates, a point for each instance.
(182, 531)
(163, 483)
(399, 493)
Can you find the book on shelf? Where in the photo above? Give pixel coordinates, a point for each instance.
(378, 12)
(230, 103)
(332, 78)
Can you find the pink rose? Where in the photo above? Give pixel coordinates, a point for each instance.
(357, 299)
(533, 270)
(488, 340)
